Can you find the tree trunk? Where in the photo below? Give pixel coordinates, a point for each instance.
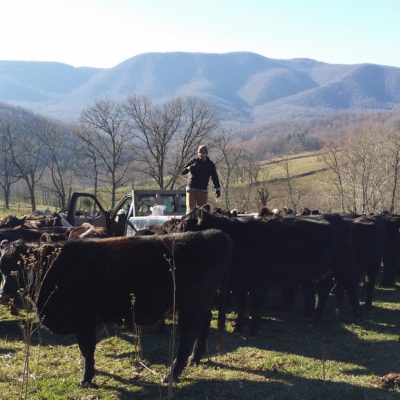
(394, 191)
(33, 199)
(6, 194)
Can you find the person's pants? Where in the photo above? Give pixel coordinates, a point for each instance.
(194, 199)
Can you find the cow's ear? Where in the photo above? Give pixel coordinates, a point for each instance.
(199, 215)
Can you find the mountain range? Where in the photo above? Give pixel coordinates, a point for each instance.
(242, 87)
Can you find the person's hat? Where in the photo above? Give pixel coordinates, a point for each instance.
(202, 149)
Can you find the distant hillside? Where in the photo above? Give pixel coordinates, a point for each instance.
(23, 119)
(243, 87)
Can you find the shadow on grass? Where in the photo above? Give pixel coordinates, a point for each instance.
(285, 332)
(289, 333)
(274, 385)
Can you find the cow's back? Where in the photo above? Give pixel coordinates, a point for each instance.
(104, 278)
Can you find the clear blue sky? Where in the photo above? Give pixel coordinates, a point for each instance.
(103, 33)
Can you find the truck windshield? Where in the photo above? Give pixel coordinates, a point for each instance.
(174, 204)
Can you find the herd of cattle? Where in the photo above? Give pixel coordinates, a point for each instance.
(205, 258)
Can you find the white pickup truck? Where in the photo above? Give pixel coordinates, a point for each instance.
(137, 210)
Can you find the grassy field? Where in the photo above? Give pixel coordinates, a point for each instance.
(300, 164)
(288, 360)
(305, 168)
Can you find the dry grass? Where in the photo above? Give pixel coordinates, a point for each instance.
(288, 360)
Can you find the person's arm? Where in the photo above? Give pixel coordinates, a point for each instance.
(188, 167)
(215, 179)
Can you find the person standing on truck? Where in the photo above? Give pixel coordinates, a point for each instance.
(200, 170)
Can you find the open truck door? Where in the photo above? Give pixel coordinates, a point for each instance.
(133, 212)
(85, 207)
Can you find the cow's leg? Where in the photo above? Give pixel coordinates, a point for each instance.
(86, 336)
(200, 344)
(240, 322)
(189, 326)
(370, 285)
(350, 284)
(339, 294)
(323, 289)
(309, 299)
(256, 299)
(389, 270)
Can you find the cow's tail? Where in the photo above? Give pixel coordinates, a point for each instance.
(222, 305)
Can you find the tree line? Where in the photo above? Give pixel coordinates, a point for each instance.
(365, 168)
(110, 146)
(139, 143)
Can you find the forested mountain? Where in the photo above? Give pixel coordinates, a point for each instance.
(243, 87)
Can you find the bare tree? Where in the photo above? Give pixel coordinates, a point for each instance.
(331, 157)
(393, 153)
(228, 158)
(290, 149)
(251, 167)
(8, 171)
(91, 163)
(263, 190)
(365, 168)
(55, 143)
(166, 135)
(109, 139)
(26, 153)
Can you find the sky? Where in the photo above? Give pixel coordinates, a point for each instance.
(104, 33)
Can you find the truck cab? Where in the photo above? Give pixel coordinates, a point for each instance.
(134, 211)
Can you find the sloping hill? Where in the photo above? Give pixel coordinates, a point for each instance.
(241, 86)
(38, 81)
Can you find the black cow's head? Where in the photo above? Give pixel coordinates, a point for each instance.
(22, 270)
(190, 222)
(199, 219)
(11, 265)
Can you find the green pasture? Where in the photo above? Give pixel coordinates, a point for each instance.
(305, 170)
(289, 359)
(300, 164)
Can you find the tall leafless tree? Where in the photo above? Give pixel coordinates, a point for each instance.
(331, 157)
(8, 171)
(90, 163)
(365, 174)
(364, 166)
(228, 159)
(166, 135)
(55, 143)
(110, 140)
(393, 153)
(291, 147)
(26, 152)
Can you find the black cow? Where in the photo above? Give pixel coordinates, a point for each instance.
(16, 267)
(93, 281)
(392, 248)
(369, 240)
(11, 255)
(345, 268)
(20, 232)
(284, 250)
